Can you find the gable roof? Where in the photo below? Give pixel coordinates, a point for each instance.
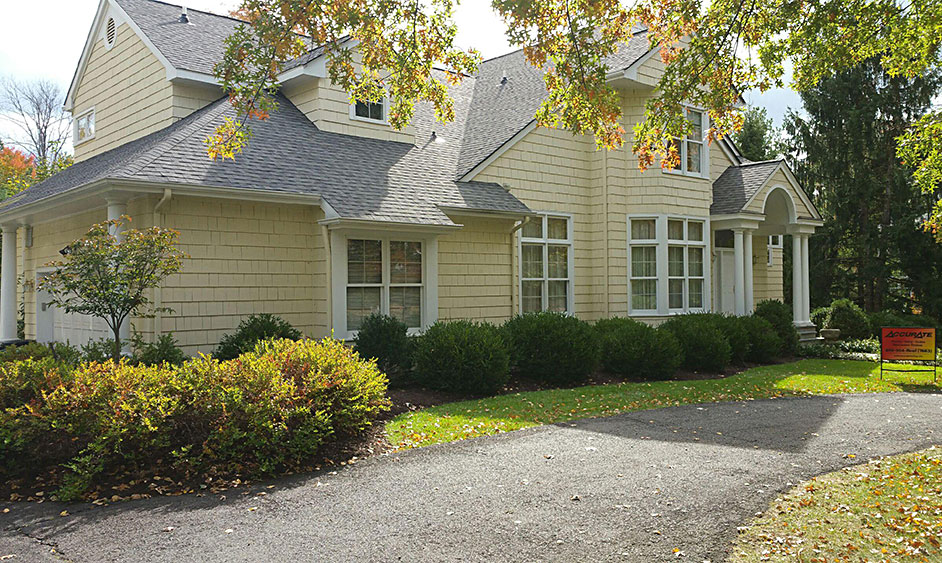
(503, 108)
(738, 184)
(360, 178)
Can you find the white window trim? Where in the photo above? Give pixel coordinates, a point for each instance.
(384, 121)
(662, 243)
(772, 246)
(704, 152)
(75, 127)
(338, 276)
(545, 241)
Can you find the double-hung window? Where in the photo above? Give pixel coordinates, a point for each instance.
(691, 149)
(680, 284)
(643, 265)
(546, 264)
(384, 276)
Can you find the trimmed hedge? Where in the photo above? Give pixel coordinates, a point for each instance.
(551, 347)
(637, 350)
(764, 343)
(845, 315)
(386, 340)
(267, 411)
(705, 346)
(251, 331)
(462, 356)
(779, 315)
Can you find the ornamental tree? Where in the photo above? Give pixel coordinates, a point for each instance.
(108, 276)
(713, 50)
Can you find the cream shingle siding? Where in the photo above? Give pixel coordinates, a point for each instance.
(779, 179)
(328, 106)
(128, 88)
(767, 280)
(474, 271)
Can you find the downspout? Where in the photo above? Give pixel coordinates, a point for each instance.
(158, 297)
(513, 259)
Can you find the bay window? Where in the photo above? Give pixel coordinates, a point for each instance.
(546, 264)
(667, 265)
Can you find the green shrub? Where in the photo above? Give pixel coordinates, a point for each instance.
(462, 356)
(820, 316)
(164, 351)
(61, 352)
(780, 317)
(736, 335)
(881, 319)
(551, 347)
(850, 319)
(637, 350)
(251, 331)
(98, 350)
(23, 381)
(268, 410)
(764, 344)
(705, 346)
(386, 340)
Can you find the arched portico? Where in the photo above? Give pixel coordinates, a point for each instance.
(775, 207)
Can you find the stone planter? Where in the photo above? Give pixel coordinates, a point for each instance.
(830, 334)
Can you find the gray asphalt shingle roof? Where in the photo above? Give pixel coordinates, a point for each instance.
(195, 46)
(500, 109)
(737, 184)
(360, 178)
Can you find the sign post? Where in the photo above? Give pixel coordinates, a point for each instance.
(911, 344)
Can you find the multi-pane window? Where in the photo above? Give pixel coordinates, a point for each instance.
(685, 281)
(775, 241)
(690, 149)
(373, 111)
(546, 264)
(384, 276)
(85, 126)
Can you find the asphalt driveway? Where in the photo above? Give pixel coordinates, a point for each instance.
(625, 488)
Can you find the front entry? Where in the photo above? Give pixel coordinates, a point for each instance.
(724, 276)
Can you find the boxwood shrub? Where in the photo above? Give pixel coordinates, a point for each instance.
(637, 350)
(551, 347)
(845, 315)
(735, 332)
(251, 331)
(705, 346)
(764, 343)
(780, 317)
(386, 340)
(462, 356)
(266, 411)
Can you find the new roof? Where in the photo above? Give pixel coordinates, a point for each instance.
(360, 178)
(737, 184)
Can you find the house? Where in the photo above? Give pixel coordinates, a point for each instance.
(330, 214)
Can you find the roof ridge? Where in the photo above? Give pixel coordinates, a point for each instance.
(208, 13)
(633, 34)
(750, 163)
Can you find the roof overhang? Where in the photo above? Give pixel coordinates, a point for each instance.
(351, 224)
(485, 213)
(749, 221)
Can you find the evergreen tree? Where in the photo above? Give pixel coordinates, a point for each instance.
(757, 136)
(871, 248)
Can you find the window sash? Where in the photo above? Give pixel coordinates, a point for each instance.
(394, 298)
(545, 280)
(684, 282)
(370, 111)
(695, 140)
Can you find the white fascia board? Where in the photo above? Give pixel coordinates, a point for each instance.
(86, 52)
(497, 153)
(339, 223)
(631, 73)
(179, 75)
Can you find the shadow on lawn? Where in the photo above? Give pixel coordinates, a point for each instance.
(788, 427)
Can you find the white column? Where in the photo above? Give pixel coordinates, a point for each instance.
(740, 279)
(798, 302)
(117, 208)
(747, 256)
(8, 285)
(805, 281)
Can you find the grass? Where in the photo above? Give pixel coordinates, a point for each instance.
(469, 419)
(887, 510)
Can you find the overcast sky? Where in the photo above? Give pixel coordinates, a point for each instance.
(44, 39)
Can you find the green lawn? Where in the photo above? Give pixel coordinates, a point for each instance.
(886, 510)
(468, 419)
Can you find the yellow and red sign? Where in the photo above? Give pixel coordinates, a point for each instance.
(913, 344)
